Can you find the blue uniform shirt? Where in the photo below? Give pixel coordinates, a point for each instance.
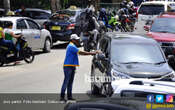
(71, 58)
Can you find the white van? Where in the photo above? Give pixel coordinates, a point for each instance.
(151, 9)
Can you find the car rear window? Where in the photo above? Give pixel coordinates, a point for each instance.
(60, 17)
(67, 12)
(151, 9)
(37, 15)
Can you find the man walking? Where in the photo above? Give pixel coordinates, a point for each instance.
(70, 64)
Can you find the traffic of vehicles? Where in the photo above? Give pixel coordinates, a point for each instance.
(152, 65)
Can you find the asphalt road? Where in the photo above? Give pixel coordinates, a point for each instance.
(44, 75)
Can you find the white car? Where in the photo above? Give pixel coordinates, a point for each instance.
(36, 37)
(150, 10)
(130, 87)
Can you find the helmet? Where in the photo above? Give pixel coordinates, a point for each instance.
(116, 17)
(130, 4)
(125, 2)
(122, 11)
(89, 11)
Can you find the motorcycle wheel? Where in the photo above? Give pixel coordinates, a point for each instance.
(1, 61)
(28, 55)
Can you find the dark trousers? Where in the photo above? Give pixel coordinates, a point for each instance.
(7, 43)
(69, 73)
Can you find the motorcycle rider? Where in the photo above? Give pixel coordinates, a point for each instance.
(9, 35)
(4, 42)
(103, 16)
(93, 25)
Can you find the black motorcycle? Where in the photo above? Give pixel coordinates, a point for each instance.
(25, 53)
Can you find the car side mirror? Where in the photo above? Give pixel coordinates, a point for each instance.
(146, 28)
(171, 59)
(102, 57)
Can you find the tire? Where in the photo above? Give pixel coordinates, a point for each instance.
(94, 89)
(28, 55)
(1, 61)
(47, 46)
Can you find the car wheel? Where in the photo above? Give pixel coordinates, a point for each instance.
(47, 46)
(28, 55)
(94, 89)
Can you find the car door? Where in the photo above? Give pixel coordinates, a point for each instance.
(22, 28)
(35, 33)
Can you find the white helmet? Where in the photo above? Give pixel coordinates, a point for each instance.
(116, 17)
(130, 4)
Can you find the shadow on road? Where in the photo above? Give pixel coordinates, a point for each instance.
(60, 46)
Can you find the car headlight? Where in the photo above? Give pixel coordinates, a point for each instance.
(116, 75)
(170, 76)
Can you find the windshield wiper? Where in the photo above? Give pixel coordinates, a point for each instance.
(160, 62)
(136, 62)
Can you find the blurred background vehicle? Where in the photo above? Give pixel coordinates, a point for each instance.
(162, 30)
(62, 24)
(150, 10)
(36, 37)
(38, 15)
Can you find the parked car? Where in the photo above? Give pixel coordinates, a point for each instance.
(38, 15)
(61, 24)
(36, 37)
(2, 11)
(126, 56)
(162, 30)
(150, 10)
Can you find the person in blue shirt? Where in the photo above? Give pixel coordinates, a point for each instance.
(70, 63)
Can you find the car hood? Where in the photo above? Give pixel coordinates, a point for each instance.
(141, 70)
(162, 37)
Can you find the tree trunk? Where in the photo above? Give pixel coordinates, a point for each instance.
(55, 5)
(6, 5)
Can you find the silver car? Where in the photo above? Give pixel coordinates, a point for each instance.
(38, 15)
(36, 37)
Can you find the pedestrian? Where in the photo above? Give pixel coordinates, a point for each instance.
(70, 63)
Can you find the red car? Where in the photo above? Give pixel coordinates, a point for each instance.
(162, 30)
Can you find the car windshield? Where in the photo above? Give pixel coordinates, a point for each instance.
(140, 53)
(67, 12)
(151, 9)
(166, 25)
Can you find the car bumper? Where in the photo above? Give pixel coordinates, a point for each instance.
(61, 36)
(145, 85)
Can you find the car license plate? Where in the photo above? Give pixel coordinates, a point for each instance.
(56, 28)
